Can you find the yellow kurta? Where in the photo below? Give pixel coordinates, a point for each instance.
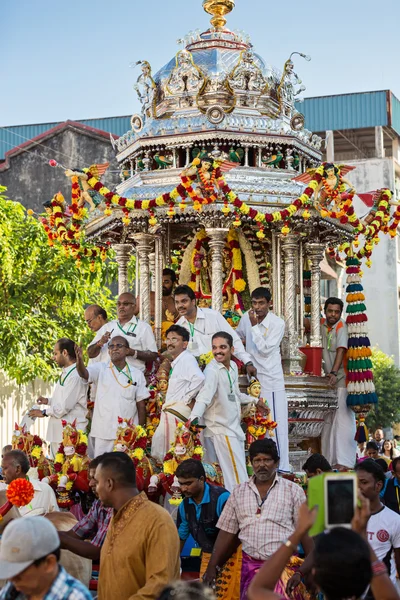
(140, 554)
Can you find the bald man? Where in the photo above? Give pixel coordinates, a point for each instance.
(95, 317)
(140, 337)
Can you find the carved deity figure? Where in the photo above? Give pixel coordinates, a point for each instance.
(287, 90)
(186, 76)
(247, 76)
(145, 87)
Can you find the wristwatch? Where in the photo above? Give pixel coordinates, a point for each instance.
(44, 413)
(333, 373)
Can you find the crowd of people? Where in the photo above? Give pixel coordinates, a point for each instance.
(252, 533)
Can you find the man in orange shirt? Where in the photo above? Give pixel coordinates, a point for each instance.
(338, 444)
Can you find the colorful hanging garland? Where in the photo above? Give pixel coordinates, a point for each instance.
(360, 386)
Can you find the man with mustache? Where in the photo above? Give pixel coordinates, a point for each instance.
(185, 381)
(121, 392)
(260, 514)
(220, 401)
(169, 312)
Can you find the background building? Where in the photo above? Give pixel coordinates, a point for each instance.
(360, 129)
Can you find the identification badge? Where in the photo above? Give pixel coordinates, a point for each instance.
(131, 333)
(231, 397)
(195, 552)
(193, 346)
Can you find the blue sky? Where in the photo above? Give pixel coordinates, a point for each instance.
(70, 59)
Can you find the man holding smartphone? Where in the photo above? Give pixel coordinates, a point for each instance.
(383, 529)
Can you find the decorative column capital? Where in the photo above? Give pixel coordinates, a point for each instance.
(315, 252)
(123, 254)
(143, 241)
(217, 243)
(217, 235)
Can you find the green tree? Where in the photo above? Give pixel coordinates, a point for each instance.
(42, 295)
(387, 385)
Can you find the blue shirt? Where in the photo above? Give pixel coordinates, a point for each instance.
(64, 587)
(396, 484)
(183, 529)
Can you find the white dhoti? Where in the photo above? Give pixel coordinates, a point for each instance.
(277, 402)
(337, 443)
(228, 452)
(100, 446)
(164, 435)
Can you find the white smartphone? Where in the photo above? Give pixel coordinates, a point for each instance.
(340, 499)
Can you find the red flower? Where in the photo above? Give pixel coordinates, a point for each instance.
(269, 218)
(122, 201)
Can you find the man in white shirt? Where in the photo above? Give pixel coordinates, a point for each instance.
(15, 465)
(202, 323)
(140, 337)
(262, 331)
(69, 399)
(383, 528)
(219, 402)
(121, 392)
(184, 382)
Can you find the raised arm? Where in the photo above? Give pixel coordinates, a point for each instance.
(80, 365)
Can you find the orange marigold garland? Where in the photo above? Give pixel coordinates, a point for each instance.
(19, 493)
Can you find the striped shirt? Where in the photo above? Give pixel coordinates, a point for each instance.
(262, 534)
(94, 525)
(64, 587)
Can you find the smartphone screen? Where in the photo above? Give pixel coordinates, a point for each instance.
(340, 500)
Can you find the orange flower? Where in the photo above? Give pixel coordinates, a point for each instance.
(20, 492)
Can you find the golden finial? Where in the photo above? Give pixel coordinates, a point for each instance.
(218, 8)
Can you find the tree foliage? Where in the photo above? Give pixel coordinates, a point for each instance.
(387, 384)
(42, 295)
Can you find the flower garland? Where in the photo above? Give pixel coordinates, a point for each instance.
(20, 492)
(195, 269)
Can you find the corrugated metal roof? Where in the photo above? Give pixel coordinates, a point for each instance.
(13, 136)
(346, 111)
(395, 102)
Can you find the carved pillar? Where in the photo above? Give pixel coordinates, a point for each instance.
(246, 156)
(174, 158)
(315, 252)
(123, 255)
(217, 243)
(292, 359)
(144, 246)
(187, 156)
(152, 267)
(259, 163)
(158, 290)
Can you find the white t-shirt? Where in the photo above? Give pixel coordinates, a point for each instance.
(383, 531)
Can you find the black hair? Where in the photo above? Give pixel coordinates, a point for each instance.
(185, 290)
(225, 336)
(369, 465)
(261, 292)
(391, 448)
(181, 331)
(68, 345)
(382, 463)
(333, 300)
(337, 577)
(171, 273)
(372, 446)
(265, 446)
(395, 461)
(328, 166)
(317, 461)
(19, 458)
(121, 467)
(94, 463)
(190, 468)
(56, 552)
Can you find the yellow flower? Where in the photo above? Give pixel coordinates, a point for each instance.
(182, 206)
(174, 194)
(313, 184)
(145, 204)
(115, 199)
(160, 201)
(168, 467)
(324, 213)
(36, 452)
(285, 230)
(260, 234)
(192, 285)
(138, 453)
(103, 191)
(304, 198)
(260, 217)
(225, 209)
(277, 216)
(237, 222)
(126, 220)
(368, 263)
(306, 214)
(175, 501)
(240, 285)
(231, 196)
(107, 212)
(197, 206)
(83, 438)
(130, 203)
(199, 451)
(152, 221)
(59, 457)
(30, 212)
(69, 485)
(245, 209)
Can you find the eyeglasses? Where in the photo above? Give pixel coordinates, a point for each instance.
(125, 303)
(88, 321)
(262, 461)
(114, 346)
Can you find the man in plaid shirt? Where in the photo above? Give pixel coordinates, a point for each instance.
(29, 559)
(260, 514)
(92, 526)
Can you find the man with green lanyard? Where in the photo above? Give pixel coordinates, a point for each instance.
(139, 335)
(121, 393)
(68, 401)
(338, 445)
(219, 402)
